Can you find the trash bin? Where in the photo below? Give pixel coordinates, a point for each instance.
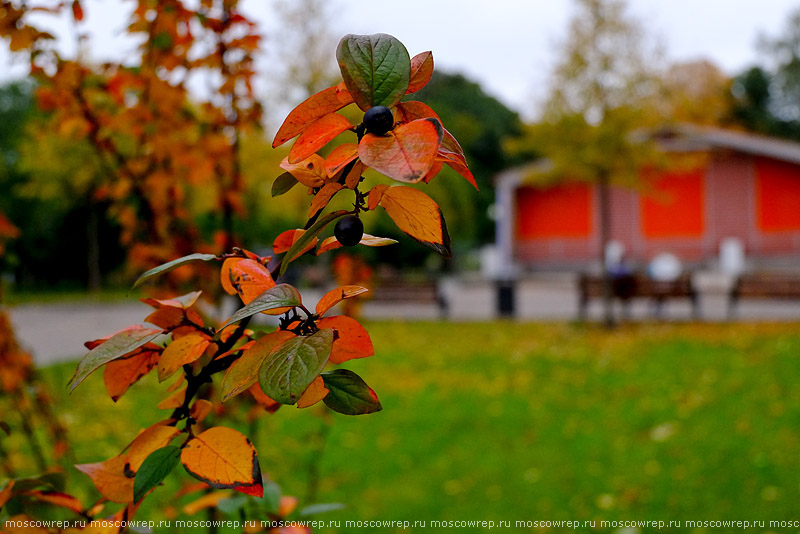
(506, 298)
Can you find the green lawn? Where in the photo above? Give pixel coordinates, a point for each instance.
(508, 421)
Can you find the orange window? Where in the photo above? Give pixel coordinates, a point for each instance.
(676, 206)
(777, 195)
(560, 211)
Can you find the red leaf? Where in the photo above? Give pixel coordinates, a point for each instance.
(77, 10)
(352, 342)
(317, 135)
(314, 107)
(453, 155)
(421, 71)
(405, 153)
(288, 238)
(340, 157)
(413, 110)
(329, 243)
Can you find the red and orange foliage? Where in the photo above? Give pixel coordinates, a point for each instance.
(298, 363)
(159, 151)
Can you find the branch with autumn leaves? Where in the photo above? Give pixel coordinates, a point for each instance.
(297, 363)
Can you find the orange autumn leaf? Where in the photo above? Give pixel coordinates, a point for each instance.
(167, 318)
(209, 500)
(119, 375)
(437, 167)
(109, 479)
(406, 153)
(329, 243)
(7, 492)
(243, 373)
(335, 296)
(421, 71)
(224, 459)
(225, 275)
(352, 342)
(180, 352)
(150, 439)
(309, 172)
(322, 198)
(340, 157)
(57, 498)
(375, 195)
(314, 393)
(416, 214)
(200, 409)
(247, 277)
(173, 401)
(313, 108)
(354, 176)
(317, 135)
(268, 403)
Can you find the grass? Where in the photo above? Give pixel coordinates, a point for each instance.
(509, 421)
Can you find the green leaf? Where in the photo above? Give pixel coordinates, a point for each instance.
(292, 366)
(349, 394)
(376, 69)
(155, 469)
(174, 264)
(271, 501)
(283, 184)
(307, 236)
(232, 506)
(280, 296)
(114, 347)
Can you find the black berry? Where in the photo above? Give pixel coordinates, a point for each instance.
(349, 230)
(378, 120)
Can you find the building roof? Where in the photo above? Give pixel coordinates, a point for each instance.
(692, 138)
(685, 138)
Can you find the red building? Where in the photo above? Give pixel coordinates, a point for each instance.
(741, 186)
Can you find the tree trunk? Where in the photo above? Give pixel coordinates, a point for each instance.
(605, 237)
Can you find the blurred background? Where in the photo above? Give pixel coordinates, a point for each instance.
(638, 165)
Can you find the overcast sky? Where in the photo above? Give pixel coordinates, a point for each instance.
(506, 45)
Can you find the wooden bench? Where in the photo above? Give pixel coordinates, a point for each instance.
(405, 291)
(784, 286)
(627, 287)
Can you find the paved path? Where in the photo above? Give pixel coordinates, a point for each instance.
(56, 332)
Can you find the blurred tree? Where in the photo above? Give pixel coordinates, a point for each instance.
(766, 98)
(783, 61)
(604, 88)
(51, 205)
(161, 159)
(483, 125)
(696, 92)
(300, 52)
